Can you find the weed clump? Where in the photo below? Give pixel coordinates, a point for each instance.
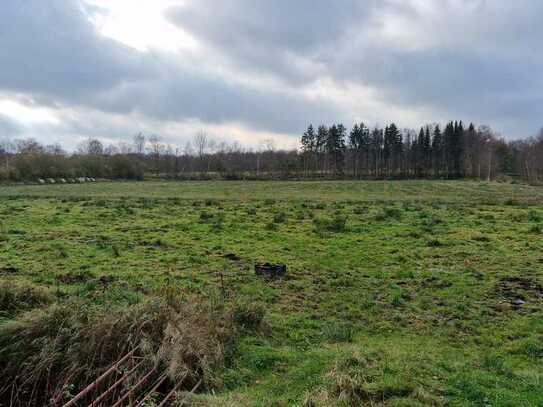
(534, 216)
(211, 202)
(21, 296)
(44, 350)
(336, 224)
(251, 211)
(359, 379)
(388, 213)
(279, 217)
(248, 315)
(205, 216)
(338, 333)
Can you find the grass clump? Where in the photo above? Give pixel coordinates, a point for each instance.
(21, 296)
(336, 224)
(338, 333)
(248, 315)
(205, 216)
(389, 213)
(279, 217)
(44, 350)
(359, 379)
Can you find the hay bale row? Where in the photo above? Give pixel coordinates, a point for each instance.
(79, 180)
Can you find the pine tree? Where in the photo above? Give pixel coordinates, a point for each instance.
(309, 144)
(321, 143)
(437, 151)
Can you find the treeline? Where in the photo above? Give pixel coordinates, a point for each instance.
(335, 152)
(454, 152)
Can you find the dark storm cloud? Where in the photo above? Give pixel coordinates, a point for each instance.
(51, 48)
(470, 58)
(271, 35)
(53, 52)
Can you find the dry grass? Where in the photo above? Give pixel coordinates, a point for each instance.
(19, 296)
(54, 352)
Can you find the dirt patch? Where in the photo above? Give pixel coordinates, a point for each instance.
(519, 290)
(106, 280)
(8, 270)
(232, 257)
(74, 278)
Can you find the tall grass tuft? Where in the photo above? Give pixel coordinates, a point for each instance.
(55, 351)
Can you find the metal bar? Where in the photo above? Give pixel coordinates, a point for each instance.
(91, 386)
(153, 389)
(108, 391)
(191, 392)
(170, 394)
(134, 388)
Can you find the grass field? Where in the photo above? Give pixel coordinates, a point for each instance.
(397, 293)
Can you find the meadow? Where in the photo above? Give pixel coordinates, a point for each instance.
(397, 293)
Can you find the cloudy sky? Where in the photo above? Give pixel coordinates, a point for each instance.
(252, 70)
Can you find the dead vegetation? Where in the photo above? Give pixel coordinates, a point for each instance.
(22, 296)
(365, 378)
(52, 353)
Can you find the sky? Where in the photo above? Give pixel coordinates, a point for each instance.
(250, 71)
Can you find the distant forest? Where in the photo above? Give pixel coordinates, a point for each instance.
(452, 151)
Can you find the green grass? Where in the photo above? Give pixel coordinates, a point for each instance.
(416, 279)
